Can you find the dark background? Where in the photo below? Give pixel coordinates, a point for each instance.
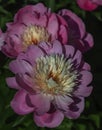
(91, 118)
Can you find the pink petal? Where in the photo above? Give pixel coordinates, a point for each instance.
(11, 82)
(87, 5)
(41, 103)
(56, 48)
(25, 82)
(34, 19)
(62, 102)
(77, 57)
(15, 29)
(83, 91)
(89, 39)
(49, 120)
(30, 9)
(99, 2)
(75, 114)
(53, 26)
(86, 66)
(76, 19)
(33, 52)
(19, 103)
(69, 50)
(45, 46)
(40, 8)
(62, 20)
(86, 77)
(20, 66)
(64, 34)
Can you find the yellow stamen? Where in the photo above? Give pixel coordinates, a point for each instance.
(34, 34)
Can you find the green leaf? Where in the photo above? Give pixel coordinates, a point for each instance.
(98, 15)
(18, 121)
(96, 119)
(81, 127)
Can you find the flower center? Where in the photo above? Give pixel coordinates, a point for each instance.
(55, 75)
(34, 34)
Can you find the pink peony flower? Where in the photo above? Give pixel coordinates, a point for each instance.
(35, 23)
(52, 81)
(77, 35)
(89, 5)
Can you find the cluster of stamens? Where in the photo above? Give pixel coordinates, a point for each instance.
(54, 75)
(34, 34)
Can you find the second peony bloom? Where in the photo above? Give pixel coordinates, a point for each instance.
(36, 23)
(89, 5)
(51, 81)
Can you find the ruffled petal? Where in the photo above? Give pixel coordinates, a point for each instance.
(25, 82)
(77, 58)
(89, 40)
(75, 110)
(12, 83)
(30, 9)
(69, 51)
(57, 48)
(20, 66)
(33, 52)
(83, 91)
(50, 120)
(62, 102)
(41, 103)
(63, 34)
(86, 77)
(53, 26)
(74, 23)
(86, 66)
(15, 29)
(19, 103)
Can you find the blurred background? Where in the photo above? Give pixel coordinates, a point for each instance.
(91, 118)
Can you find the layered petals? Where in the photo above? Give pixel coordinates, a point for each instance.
(83, 91)
(25, 82)
(50, 120)
(19, 103)
(26, 22)
(86, 77)
(39, 8)
(56, 48)
(76, 31)
(62, 102)
(12, 83)
(32, 26)
(41, 103)
(75, 109)
(52, 81)
(16, 66)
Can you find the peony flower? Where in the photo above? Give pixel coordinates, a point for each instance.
(77, 35)
(51, 81)
(89, 5)
(33, 24)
